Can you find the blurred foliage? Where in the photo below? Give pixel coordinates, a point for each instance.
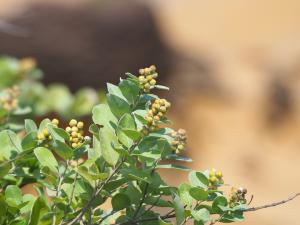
(25, 75)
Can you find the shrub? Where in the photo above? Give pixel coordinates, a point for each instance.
(75, 172)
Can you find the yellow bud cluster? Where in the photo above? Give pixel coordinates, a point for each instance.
(27, 64)
(237, 196)
(45, 134)
(75, 129)
(9, 98)
(147, 78)
(179, 140)
(157, 111)
(215, 179)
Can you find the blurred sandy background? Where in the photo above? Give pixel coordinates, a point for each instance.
(235, 86)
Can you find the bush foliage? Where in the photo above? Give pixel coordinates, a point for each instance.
(76, 169)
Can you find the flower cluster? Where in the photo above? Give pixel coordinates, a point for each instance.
(157, 111)
(215, 179)
(179, 140)
(9, 98)
(76, 133)
(147, 78)
(237, 196)
(45, 134)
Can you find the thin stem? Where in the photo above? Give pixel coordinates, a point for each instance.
(145, 192)
(151, 207)
(272, 204)
(105, 217)
(61, 179)
(99, 189)
(90, 217)
(146, 220)
(71, 198)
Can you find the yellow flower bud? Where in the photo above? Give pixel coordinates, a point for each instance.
(80, 125)
(45, 132)
(147, 70)
(141, 79)
(147, 86)
(219, 174)
(156, 118)
(152, 82)
(167, 104)
(55, 121)
(75, 129)
(74, 134)
(41, 136)
(141, 71)
(149, 77)
(180, 147)
(213, 179)
(149, 119)
(163, 109)
(152, 68)
(73, 122)
(68, 129)
(74, 145)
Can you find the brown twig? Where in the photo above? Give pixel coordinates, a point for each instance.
(272, 204)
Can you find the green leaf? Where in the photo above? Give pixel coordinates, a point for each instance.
(130, 90)
(120, 201)
(64, 135)
(63, 150)
(94, 129)
(29, 141)
(131, 76)
(30, 202)
(30, 126)
(179, 158)
(219, 201)
(115, 90)
(162, 222)
(37, 208)
(13, 195)
(184, 194)
(198, 179)
(126, 121)
(10, 144)
(3, 207)
(198, 193)
(179, 210)
(4, 169)
(133, 134)
(232, 217)
(117, 105)
(202, 215)
(44, 124)
(136, 174)
(103, 116)
(173, 166)
(157, 201)
(57, 135)
(46, 158)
